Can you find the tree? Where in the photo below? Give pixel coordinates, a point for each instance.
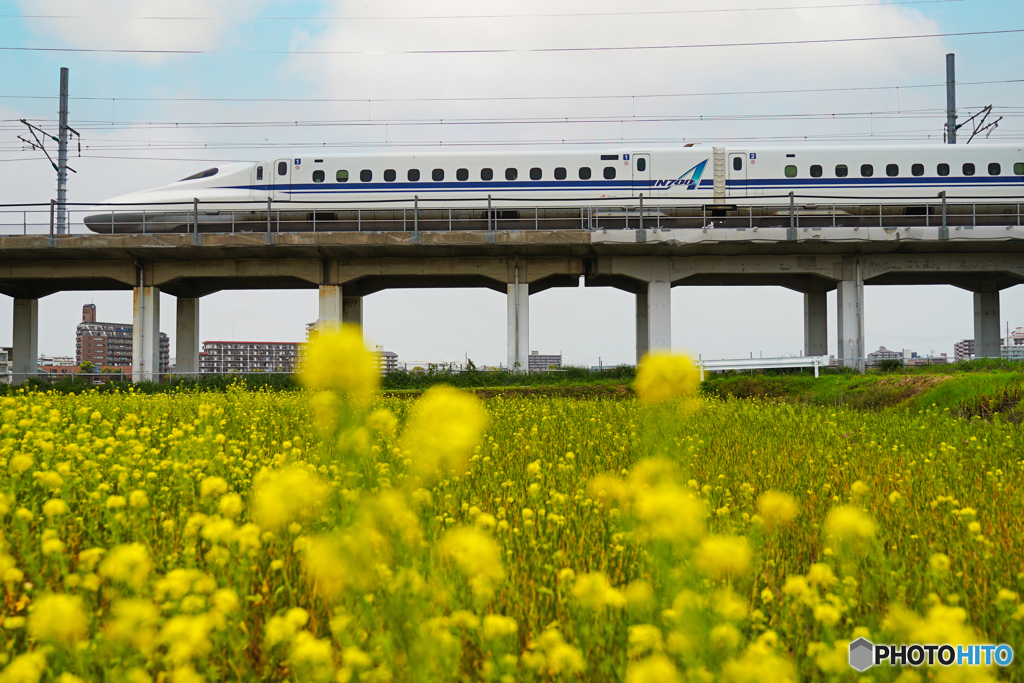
(87, 367)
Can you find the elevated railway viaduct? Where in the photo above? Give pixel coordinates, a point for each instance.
(347, 266)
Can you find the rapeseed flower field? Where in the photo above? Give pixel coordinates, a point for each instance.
(339, 535)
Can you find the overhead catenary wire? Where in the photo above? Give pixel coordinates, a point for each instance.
(515, 50)
(320, 100)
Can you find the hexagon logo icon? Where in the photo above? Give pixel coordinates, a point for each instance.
(862, 654)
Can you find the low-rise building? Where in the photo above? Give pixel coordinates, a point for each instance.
(6, 364)
(387, 360)
(240, 357)
(963, 350)
(883, 354)
(539, 363)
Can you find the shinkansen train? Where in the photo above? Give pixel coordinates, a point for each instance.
(672, 186)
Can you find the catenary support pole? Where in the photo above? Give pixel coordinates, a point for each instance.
(331, 309)
(62, 155)
(951, 98)
(986, 325)
(146, 334)
(815, 324)
(25, 353)
(187, 337)
(643, 329)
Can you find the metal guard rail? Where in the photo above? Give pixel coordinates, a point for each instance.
(516, 214)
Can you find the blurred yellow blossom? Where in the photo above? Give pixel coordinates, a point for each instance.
(281, 496)
(477, 556)
(777, 509)
(341, 361)
(595, 591)
(55, 507)
(724, 556)
(662, 376)
(60, 618)
(655, 669)
(444, 426)
(129, 563)
(496, 626)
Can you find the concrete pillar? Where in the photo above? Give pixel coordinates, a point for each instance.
(643, 330)
(659, 305)
(25, 353)
(851, 323)
(187, 337)
(815, 324)
(986, 325)
(352, 310)
(519, 327)
(331, 309)
(146, 335)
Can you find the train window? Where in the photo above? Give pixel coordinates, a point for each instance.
(842, 171)
(462, 174)
(584, 173)
(486, 174)
(641, 164)
(968, 169)
(609, 157)
(942, 169)
(366, 175)
(437, 174)
(282, 168)
(791, 171)
(917, 170)
(560, 173)
(511, 173)
(319, 176)
(609, 173)
(341, 176)
(259, 173)
(737, 163)
(867, 170)
(994, 169)
(413, 175)
(390, 175)
(892, 170)
(816, 171)
(1018, 168)
(535, 174)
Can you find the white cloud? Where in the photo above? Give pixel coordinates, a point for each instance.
(121, 24)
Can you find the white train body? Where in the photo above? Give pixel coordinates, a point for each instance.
(674, 183)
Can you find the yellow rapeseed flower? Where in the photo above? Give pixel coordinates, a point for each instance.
(443, 427)
(655, 669)
(777, 509)
(341, 361)
(55, 507)
(595, 591)
(497, 626)
(662, 376)
(60, 618)
(939, 563)
(213, 486)
(282, 496)
(849, 526)
(477, 556)
(129, 563)
(25, 668)
(723, 557)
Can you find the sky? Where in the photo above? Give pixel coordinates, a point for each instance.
(147, 119)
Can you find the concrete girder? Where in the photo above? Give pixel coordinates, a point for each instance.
(974, 272)
(36, 279)
(199, 278)
(803, 273)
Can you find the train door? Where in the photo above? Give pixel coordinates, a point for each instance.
(737, 174)
(642, 174)
(282, 180)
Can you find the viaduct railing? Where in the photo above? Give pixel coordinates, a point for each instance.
(415, 214)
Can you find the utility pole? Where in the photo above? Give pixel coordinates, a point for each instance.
(951, 99)
(62, 155)
(38, 143)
